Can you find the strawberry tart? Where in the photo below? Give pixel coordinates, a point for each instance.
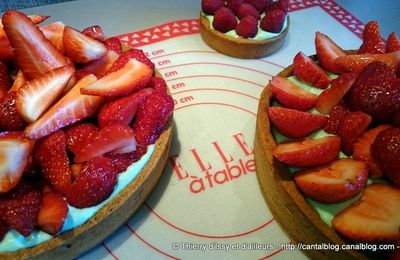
(246, 29)
(85, 130)
(327, 148)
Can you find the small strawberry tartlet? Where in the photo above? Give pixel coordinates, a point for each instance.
(327, 147)
(247, 29)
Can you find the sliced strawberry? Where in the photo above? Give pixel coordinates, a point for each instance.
(158, 84)
(19, 81)
(3, 229)
(37, 95)
(15, 150)
(107, 139)
(334, 182)
(327, 51)
(71, 108)
(392, 43)
(10, 120)
(52, 158)
(94, 32)
(54, 33)
(308, 152)
(5, 81)
(122, 161)
(125, 56)
(362, 150)
(295, 124)
(351, 128)
(36, 19)
(305, 69)
(6, 51)
(331, 96)
(34, 53)
(79, 135)
(98, 67)
(335, 118)
(94, 184)
(133, 76)
(122, 110)
(113, 44)
(52, 214)
(80, 47)
(373, 218)
(290, 95)
(19, 208)
(372, 41)
(357, 62)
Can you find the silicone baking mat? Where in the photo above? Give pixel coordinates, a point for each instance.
(207, 203)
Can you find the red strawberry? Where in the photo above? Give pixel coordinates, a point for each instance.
(122, 110)
(357, 62)
(351, 127)
(330, 97)
(19, 208)
(54, 33)
(114, 44)
(10, 120)
(158, 84)
(133, 76)
(5, 81)
(15, 150)
(71, 108)
(305, 69)
(372, 41)
(19, 81)
(386, 151)
(36, 19)
(122, 161)
(210, 6)
(34, 54)
(373, 218)
(6, 51)
(295, 124)
(259, 5)
(94, 184)
(234, 5)
(151, 118)
(290, 95)
(280, 4)
(247, 27)
(376, 92)
(335, 118)
(273, 21)
(35, 97)
(327, 52)
(125, 56)
(224, 20)
(308, 152)
(362, 150)
(95, 32)
(98, 67)
(52, 158)
(247, 9)
(392, 43)
(334, 182)
(52, 214)
(3, 229)
(76, 169)
(80, 47)
(79, 135)
(108, 139)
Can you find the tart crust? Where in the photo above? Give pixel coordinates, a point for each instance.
(239, 47)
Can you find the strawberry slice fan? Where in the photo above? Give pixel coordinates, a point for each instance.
(327, 147)
(85, 131)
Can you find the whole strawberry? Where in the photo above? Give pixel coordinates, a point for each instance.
(273, 21)
(224, 20)
(372, 41)
(259, 5)
(247, 9)
(234, 5)
(247, 27)
(392, 43)
(210, 6)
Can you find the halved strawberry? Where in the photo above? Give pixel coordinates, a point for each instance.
(290, 95)
(372, 40)
(295, 124)
(305, 69)
(54, 33)
(3, 229)
(52, 158)
(98, 67)
(5, 81)
(336, 116)
(113, 44)
(334, 182)
(94, 32)
(331, 96)
(373, 218)
(125, 56)
(362, 150)
(122, 110)
(351, 127)
(38, 94)
(79, 135)
(357, 62)
(392, 43)
(80, 47)
(133, 76)
(15, 150)
(10, 120)
(52, 214)
(19, 208)
(94, 184)
(6, 51)
(308, 152)
(122, 161)
(158, 84)
(19, 81)
(34, 53)
(108, 139)
(36, 19)
(327, 51)
(71, 108)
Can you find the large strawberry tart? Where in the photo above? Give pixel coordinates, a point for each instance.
(244, 28)
(327, 148)
(84, 135)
